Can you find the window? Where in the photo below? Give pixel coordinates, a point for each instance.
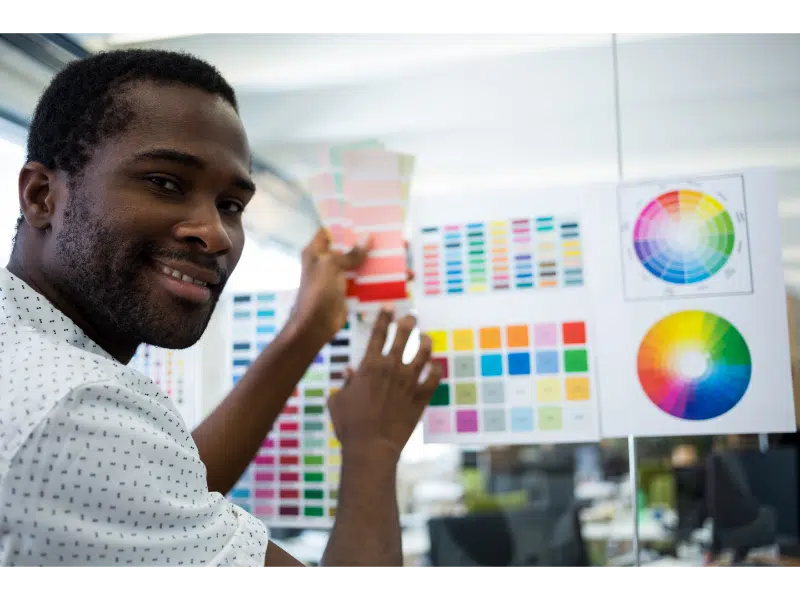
(12, 157)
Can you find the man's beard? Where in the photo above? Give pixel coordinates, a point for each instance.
(101, 274)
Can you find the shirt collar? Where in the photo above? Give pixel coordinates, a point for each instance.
(22, 306)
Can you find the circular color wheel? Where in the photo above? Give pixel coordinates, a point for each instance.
(683, 236)
(694, 365)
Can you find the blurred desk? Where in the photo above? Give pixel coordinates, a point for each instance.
(786, 562)
(621, 529)
(309, 546)
(671, 561)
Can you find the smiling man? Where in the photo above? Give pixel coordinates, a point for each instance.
(132, 197)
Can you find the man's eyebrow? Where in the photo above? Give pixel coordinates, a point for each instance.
(190, 160)
(244, 184)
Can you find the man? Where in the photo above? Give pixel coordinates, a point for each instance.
(131, 200)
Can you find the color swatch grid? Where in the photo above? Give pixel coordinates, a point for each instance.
(293, 480)
(173, 371)
(296, 475)
(521, 254)
(254, 322)
(513, 382)
(364, 191)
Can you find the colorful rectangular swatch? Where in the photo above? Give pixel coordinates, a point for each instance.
(477, 258)
(571, 253)
(514, 254)
(547, 262)
(454, 259)
(431, 261)
(522, 239)
(516, 383)
(175, 372)
(499, 246)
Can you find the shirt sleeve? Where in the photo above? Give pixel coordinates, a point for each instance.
(111, 477)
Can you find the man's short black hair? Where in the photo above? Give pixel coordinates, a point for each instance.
(82, 107)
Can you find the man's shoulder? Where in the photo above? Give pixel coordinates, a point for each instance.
(40, 373)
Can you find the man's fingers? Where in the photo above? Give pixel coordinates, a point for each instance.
(404, 328)
(319, 244)
(429, 384)
(353, 259)
(379, 332)
(422, 357)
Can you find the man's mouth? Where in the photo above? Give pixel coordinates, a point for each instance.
(181, 276)
(186, 281)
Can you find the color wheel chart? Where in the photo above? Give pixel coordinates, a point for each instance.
(694, 365)
(293, 480)
(495, 256)
(175, 372)
(518, 383)
(685, 239)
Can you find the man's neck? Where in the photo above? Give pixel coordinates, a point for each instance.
(123, 352)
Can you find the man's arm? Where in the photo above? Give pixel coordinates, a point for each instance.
(278, 557)
(230, 437)
(367, 529)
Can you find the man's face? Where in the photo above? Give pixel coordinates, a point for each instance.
(153, 228)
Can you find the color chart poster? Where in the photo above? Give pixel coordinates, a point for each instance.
(692, 315)
(175, 372)
(293, 480)
(502, 288)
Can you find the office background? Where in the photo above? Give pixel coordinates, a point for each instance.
(495, 114)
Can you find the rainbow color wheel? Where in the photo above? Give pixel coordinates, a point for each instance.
(683, 236)
(694, 365)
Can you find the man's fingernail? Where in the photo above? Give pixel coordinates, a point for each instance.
(388, 307)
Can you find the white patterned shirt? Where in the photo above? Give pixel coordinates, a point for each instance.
(96, 465)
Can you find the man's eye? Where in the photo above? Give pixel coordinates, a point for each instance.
(163, 182)
(231, 206)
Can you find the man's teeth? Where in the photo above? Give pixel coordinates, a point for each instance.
(178, 275)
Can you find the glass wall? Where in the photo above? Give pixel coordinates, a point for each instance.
(512, 122)
(687, 103)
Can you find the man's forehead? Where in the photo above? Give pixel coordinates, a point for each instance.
(183, 117)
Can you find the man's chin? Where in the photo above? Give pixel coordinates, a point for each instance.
(178, 326)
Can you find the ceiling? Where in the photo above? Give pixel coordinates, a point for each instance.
(492, 112)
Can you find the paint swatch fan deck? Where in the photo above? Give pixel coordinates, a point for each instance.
(692, 313)
(293, 480)
(364, 190)
(502, 290)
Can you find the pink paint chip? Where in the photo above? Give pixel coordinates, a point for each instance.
(264, 510)
(545, 334)
(266, 494)
(265, 476)
(437, 421)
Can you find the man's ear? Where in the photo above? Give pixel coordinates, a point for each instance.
(39, 191)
